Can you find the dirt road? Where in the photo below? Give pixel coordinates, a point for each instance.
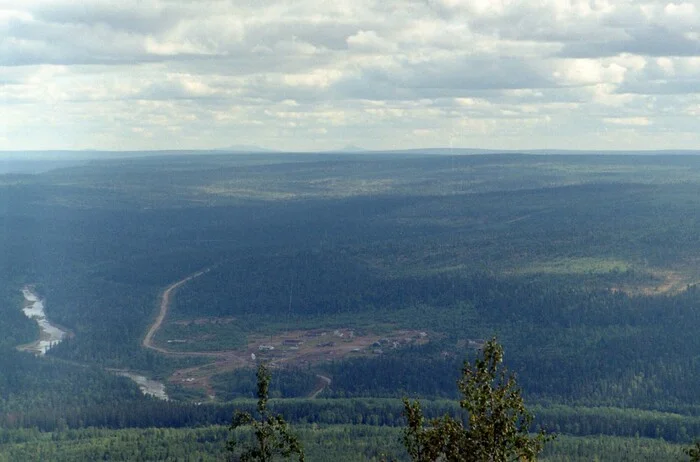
(164, 306)
(324, 383)
(310, 349)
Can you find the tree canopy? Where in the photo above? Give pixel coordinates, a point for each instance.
(272, 434)
(497, 426)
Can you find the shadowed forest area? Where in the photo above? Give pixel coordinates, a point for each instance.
(382, 273)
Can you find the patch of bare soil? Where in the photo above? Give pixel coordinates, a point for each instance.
(667, 282)
(293, 347)
(163, 310)
(301, 347)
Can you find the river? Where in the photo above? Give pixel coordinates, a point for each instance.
(147, 386)
(51, 335)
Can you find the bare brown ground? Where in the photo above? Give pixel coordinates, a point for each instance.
(672, 283)
(300, 347)
(292, 347)
(669, 282)
(164, 306)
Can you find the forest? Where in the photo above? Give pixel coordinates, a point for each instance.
(583, 266)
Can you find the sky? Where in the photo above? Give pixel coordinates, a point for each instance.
(379, 74)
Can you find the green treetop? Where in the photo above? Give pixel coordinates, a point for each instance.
(272, 434)
(498, 423)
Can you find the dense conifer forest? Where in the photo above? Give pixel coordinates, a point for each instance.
(584, 267)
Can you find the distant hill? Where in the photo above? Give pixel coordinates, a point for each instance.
(16, 166)
(245, 148)
(29, 161)
(351, 148)
(478, 151)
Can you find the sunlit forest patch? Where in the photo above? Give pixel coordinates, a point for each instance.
(582, 265)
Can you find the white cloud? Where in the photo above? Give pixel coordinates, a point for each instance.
(371, 42)
(589, 72)
(303, 74)
(628, 121)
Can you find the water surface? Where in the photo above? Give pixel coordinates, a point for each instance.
(50, 335)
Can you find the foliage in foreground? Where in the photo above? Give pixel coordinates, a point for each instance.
(271, 432)
(498, 422)
(694, 452)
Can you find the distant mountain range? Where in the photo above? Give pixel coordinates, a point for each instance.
(245, 148)
(62, 156)
(350, 148)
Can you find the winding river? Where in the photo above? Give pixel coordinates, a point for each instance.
(51, 335)
(148, 387)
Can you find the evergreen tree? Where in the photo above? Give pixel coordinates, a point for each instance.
(272, 434)
(497, 426)
(694, 452)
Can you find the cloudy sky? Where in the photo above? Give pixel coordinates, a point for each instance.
(380, 74)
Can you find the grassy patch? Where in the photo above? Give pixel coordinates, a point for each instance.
(583, 265)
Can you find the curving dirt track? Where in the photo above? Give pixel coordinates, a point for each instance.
(311, 349)
(164, 306)
(324, 382)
